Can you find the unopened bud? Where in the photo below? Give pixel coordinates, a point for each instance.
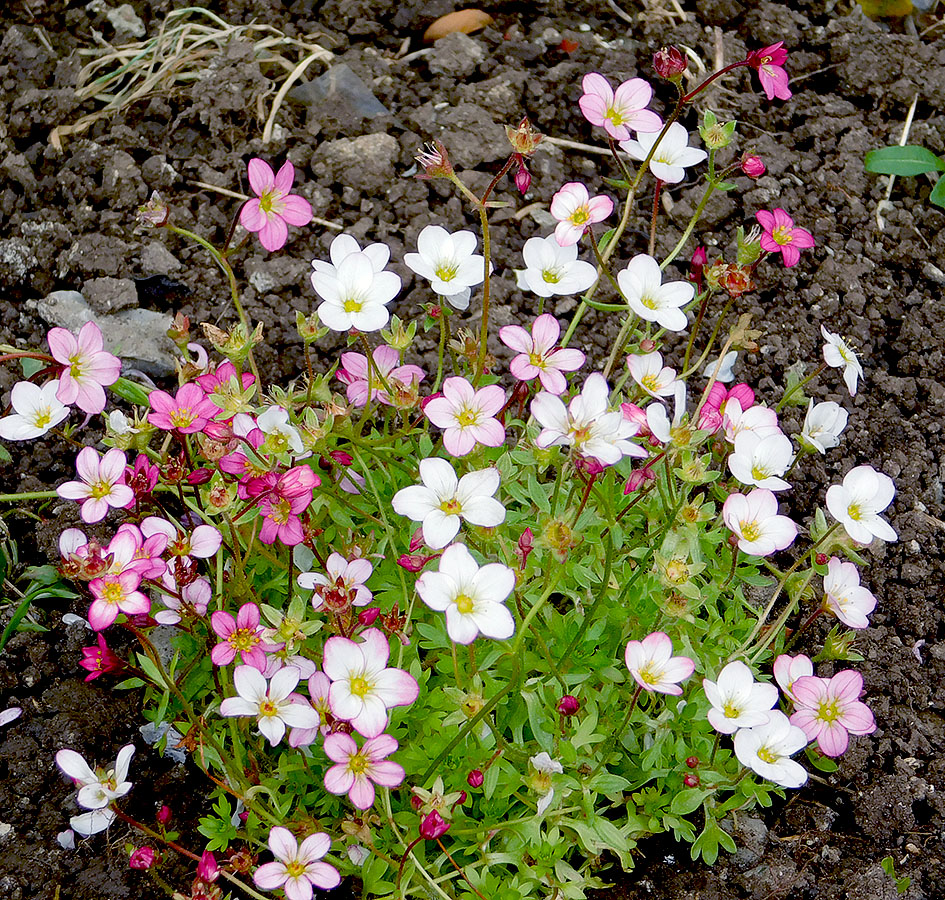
(475, 778)
(670, 63)
(523, 179)
(821, 559)
(163, 815)
(753, 166)
(691, 781)
(207, 868)
(568, 705)
(647, 346)
(367, 617)
(692, 761)
(142, 858)
(433, 826)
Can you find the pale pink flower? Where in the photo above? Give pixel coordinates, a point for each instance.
(99, 788)
(343, 586)
(844, 596)
(766, 750)
(576, 210)
(88, 368)
(787, 669)
(354, 373)
(357, 771)
(114, 594)
(192, 599)
(297, 869)
(270, 702)
(653, 666)
(823, 425)
(363, 688)
(618, 112)
(467, 415)
(273, 208)
(738, 701)
(319, 688)
(243, 635)
(829, 710)
(102, 483)
(760, 420)
(282, 505)
(130, 549)
(537, 356)
(780, 235)
(754, 519)
(187, 412)
(35, 410)
(858, 502)
(201, 543)
(768, 62)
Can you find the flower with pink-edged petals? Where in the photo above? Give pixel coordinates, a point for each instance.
(343, 586)
(243, 635)
(754, 518)
(363, 688)
(618, 112)
(88, 368)
(858, 502)
(844, 596)
(187, 412)
(787, 669)
(202, 542)
(297, 869)
(270, 702)
(354, 374)
(357, 771)
(113, 594)
(737, 700)
(653, 666)
(273, 209)
(829, 710)
(100, 659)
(35, 410)
(537, 356)
(102, 485)
(130, 549)
(576, 210)
(780, 235)
(192, 599)
(319, 688)
(769, 62)
(467, 415)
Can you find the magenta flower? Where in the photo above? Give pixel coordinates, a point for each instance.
(781, 236)
(114, 594)
(354, 373)
(130, 549)
(617, 112)
(241, 635)
(357, 771)
(576, 210)
(467, 415)
(102, 485)
(653, 666)
(187, 412)
(273, 208)
(99, 659)
(538, 357)
(829, 710)
(297, 870)
(282, 505)
(88, 368)
(769, 62)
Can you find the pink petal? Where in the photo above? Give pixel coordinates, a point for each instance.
(252, 218)
(62, 344)
(282, 843)
(284, 177)
(274, 234)
(261, 177)
(296, 210)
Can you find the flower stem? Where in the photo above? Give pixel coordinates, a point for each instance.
(800, 386)
(615, 737)
(654, 215)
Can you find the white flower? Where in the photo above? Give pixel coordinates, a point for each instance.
(657, 419)
(270, 702)
(648, 371)
(544, 767)
(840, 355)
(766, 750)
(443, 499)
(355, 295)
(754, 519)
(586, 424)
(642, 285)
(844, 596)
(347, 576)
(92, 822)
(738, 701)
(35, 410)
(343, 245)
(552, 269)
(858, 502)
(97, 789)
(473, 598)
(10, 714)
(761, 420)
(761, 461)
(822, 426)
(274, 423)
(449, 262)
(673, 155)
(787, 669)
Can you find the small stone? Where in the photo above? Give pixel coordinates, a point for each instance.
(457, 54)
(126, 22)
(367, 161)
(156, 259)
(108, 294)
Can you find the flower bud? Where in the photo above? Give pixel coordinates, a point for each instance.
(647, 346)
(142, 858)
(433, 826)
(670, 63)
(753, 166)
(461, 799)
(691, 781)
(696, 265)
(163, 815)
(821, 559)
(638, 478)
(207, 868)
(692, 761)
(526, 543)
(568, 705)
(367, 617)
(523, 179)
(475, 778)
(199, 476)
(416, 802)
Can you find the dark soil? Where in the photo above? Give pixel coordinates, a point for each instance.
(66, 220)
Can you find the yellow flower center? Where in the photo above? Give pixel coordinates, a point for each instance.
(182, 417)
(614, 116)
(243, 639)
(100, 489)
(445, 271)
(828, 711)
(360, 687)
(854, 512)
(765, 754)
(42, 418)
(731, 710)
(651, 382)
(113, 592)
(268, 708)
(295, 869)
(648, 301)
(551, 276)
(451, 507)
(358, 764)
(579, 216)
(750, 530)
(465, 604)
(352, 304)
(467, 418)
(649, 676)
(782, 235)
(759, 472)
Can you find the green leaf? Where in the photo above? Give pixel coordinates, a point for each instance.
(604, 240)
(938, 193)
(908, 160)
(688, 801)
(131, 391)
(725, 186)
(15, 620)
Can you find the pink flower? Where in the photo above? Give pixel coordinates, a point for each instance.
(141, 858)
(357, 771)
(102, 485)
(281, 506)
(344, 585)
(538, 356)
(187, 412)
(143, 478)
(297, 869)
(363, 688)
(202, 543)
(653, 666)
(844, 596)
(99, 660)
(354, 373)
(88, 368)
(274, 208)
(575, 210)
(192, 599)
(617, 112)
(754, 519)
(780, 235)
(467, 415)
(753, 166)
(241, 635)
(319, 688)
(114, 594)
(787, 669)
(829, 710)
(130, 549)
(769, 62)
